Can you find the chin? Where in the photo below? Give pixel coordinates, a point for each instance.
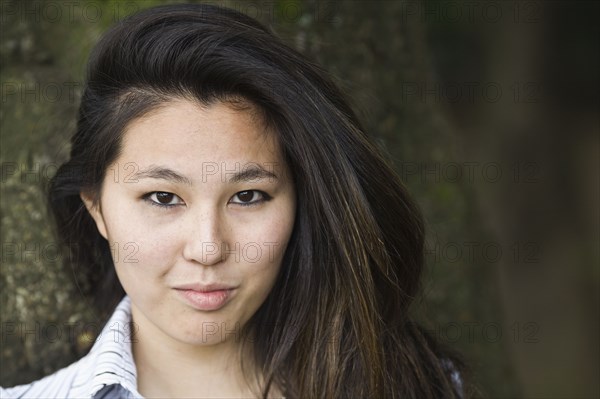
(209, 332)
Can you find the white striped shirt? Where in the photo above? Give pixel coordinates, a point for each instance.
(107, 371)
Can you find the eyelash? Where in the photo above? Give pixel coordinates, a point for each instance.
(146, 197)
(265, 197)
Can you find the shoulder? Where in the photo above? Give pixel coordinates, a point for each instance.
(108, 366)
(63, 384)
(57, 385)
(455, 376)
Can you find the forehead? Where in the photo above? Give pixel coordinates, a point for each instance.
(188, 136)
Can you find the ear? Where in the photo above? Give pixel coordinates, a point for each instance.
(95, 211)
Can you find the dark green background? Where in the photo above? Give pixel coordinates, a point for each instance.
(489, 111)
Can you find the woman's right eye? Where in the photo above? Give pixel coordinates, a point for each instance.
(163, 199)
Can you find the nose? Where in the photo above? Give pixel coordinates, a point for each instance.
(204, 242)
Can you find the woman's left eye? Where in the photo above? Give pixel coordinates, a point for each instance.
(249, 197)
(163, 198)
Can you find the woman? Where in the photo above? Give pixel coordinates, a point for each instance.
(233, 217)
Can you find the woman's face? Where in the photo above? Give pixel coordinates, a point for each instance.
(198, 210)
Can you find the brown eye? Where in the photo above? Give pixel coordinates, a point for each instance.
(249, 197)
(245, 196)
(164, 198)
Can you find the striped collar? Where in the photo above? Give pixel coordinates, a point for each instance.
(110, 361)
(107, 371)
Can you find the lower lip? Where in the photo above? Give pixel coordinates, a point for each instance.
(212, 300)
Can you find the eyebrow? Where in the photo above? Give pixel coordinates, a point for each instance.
(254, 172)
(159, 172)
(249, 174)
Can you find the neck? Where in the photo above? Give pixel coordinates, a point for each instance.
(167, 367)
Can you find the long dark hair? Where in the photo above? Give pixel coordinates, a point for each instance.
(336, 323)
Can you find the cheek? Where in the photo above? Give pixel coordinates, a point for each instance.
(138, 249)
(262, 251)
(263, 244)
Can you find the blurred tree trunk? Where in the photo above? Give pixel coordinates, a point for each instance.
(542, 131)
